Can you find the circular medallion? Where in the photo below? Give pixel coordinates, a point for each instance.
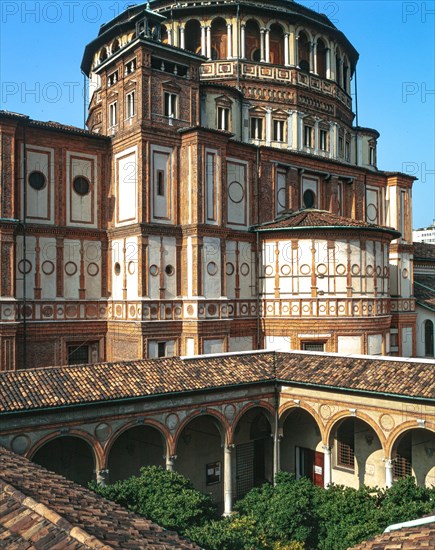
(369, 270)
(24, 266)
(20, 444)
(286, 270)
(322, 269)
(372, 213)
(281, 197)
(244, 269)
(37, 180)
(171, 421)
(103, 431)
(212, 269)
(229, 268)
(236, 192)
(405, 273)
(93, 269)
(230, 412)
(70, 268)
(356, 269)
(340, 269)
(305, 269)
(154, 270)
(387, 422)
(47, 267)
(212, 310)
(325, 411)
(268, 270)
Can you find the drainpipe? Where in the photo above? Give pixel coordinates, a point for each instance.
(258, 252)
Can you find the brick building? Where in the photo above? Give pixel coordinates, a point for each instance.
(221, 200)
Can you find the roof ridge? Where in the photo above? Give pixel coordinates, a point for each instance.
(77, 533)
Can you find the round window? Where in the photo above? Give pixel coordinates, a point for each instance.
(37, 180)
(169, 270)
(117, 268)
(81, 185)
(309, 199)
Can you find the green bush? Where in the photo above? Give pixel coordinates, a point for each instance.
(167, 498)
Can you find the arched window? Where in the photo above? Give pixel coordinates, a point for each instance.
(303, 52)
(252, 39)
(103, 55)
(346, 444)
(338, 68)
(321, 58)
(276, 38)
(192, 35)
(115, 46)
(164, 35)
(428, 339)
(219, 39)
(345, 77)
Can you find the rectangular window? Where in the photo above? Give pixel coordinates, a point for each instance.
(323, 140)
(223, 118)
(308, 136)
(347, 151)
(313, 346)
(278, 130)
(130, 67)
(340, 146)
(372, 156)
(256, 128)
(113, 114)
(170, 105)
(161, 349)
(160, 183)
(78, 354)
(346, 444)
(130, 107)
(112, 79)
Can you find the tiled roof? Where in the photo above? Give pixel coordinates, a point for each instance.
(424, 251)
(313, 218)
(43, 510)
(62, 386)
(410, 538)
(424, 290)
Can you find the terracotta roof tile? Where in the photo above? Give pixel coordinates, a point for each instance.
(310, 217)
(410, 538)
(424, 251)
(424, 290)
(41, 509)
(62, 386)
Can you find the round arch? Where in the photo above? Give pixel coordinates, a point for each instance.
(288, 408)
(252, 39)
(224, 426)
(219, 40)
(192, 35)
(358, 450)
(73, 455)
(412, 448)
(400, 430)
(135, 445)
(268, 409)
(276, 41)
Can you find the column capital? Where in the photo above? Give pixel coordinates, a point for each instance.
(389, 462)
(326, 449)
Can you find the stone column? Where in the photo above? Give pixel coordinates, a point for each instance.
(182, 39)
(262, 45)
(328, 63)
(276, 452)
(169, 460)
(388, 472)
(316, 135)
(292, 48)
(290, 128)
(245, 122)
(203, 41)
(208, 41)
(229, 41)
(243, 42)
(228, 482)
(300, 131)
(327, 471)
(286, 50)
(268, 125)
(314, 46)
(267, 45)
(102, 477)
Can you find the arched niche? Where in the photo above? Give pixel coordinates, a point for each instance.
(304, 52)
(252, 40)
(192, 34)
(413, 453)
(276, 40)
(322, 52)
(69, 456)
(219, 44)
(429, 338)
(134, 448)
(301, 446)
(357, 454)
(252, 437)
(199, 451)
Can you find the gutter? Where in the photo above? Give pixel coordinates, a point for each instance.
(413, 523)
(260, 229)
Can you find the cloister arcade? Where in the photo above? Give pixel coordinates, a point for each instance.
(229, 449)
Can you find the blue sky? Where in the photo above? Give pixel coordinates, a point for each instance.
(42, 42)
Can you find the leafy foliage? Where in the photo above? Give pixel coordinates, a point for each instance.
(167, 498)
(292, 515)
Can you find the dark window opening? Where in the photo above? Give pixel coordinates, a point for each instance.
(78, 354)
(309, 199)
(428, 339)
(160, 183)
(402, 465)
(81, 185)
(346, 444)
(313, 346)
(161, 349)
(37, 180)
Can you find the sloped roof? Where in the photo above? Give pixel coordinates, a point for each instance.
(424, 290)
(311, 218)
(424, 251)
(410, 538)
(53, 387)
(41, 509)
